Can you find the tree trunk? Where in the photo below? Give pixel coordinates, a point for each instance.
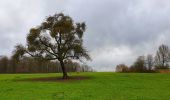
(65, 76)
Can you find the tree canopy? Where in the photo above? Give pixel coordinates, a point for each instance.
(58, 37)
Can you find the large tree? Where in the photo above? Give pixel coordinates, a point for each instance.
(57, 38)
(162, 57)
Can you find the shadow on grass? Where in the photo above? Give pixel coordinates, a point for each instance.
(55, 79)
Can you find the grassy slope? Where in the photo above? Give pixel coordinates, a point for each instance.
(101, 86)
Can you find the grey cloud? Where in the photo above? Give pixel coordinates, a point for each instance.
(122, 22)
(117, 30)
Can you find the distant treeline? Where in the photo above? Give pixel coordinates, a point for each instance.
(149, 63)
(32, 65)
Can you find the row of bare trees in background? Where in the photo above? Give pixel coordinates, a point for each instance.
(31, 65)
(149, 63)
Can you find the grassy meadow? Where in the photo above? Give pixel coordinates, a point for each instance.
(98, 86)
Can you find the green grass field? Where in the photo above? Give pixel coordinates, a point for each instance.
(100, 86)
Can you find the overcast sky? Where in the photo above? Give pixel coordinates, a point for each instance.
(117, 30)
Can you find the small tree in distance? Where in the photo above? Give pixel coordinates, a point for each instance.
(122, 68)
(57, 38)
(162, 57)
(139, 64)
(149, 62)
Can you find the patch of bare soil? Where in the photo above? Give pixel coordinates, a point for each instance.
(56, 79)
